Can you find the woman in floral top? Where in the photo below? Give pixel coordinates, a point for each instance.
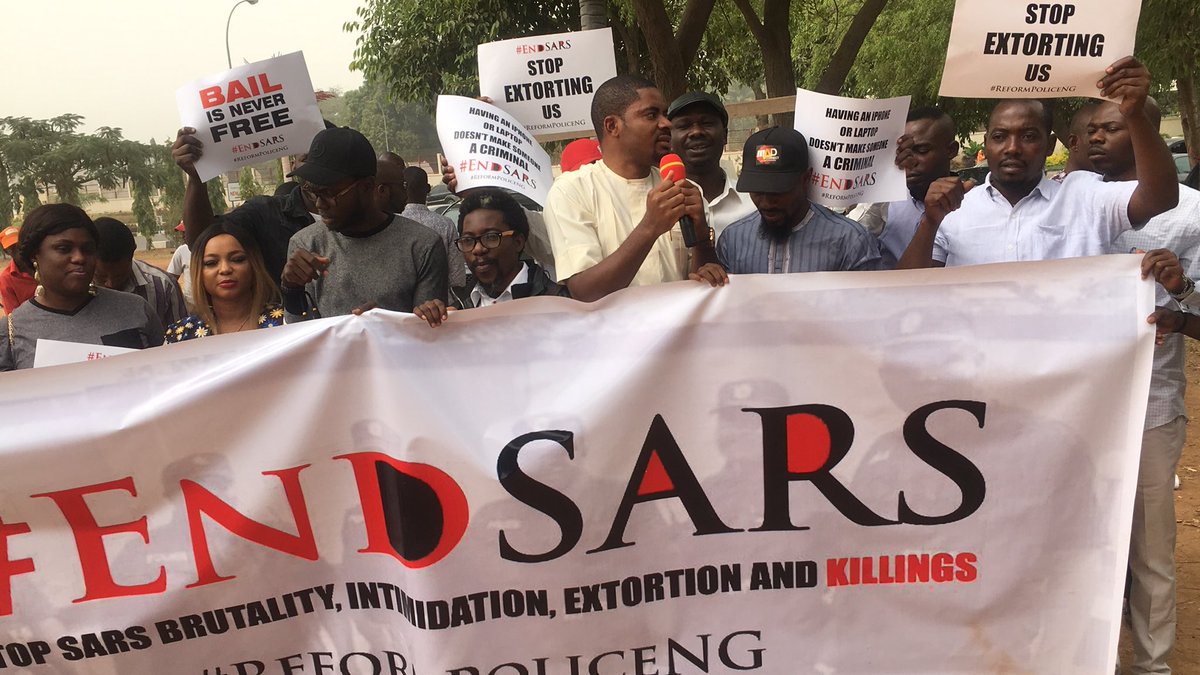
(231, 289)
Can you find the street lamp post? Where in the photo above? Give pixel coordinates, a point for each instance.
(229, 58)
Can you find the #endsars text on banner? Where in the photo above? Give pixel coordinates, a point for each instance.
(1036, 49)
(546, 82)
(251, 114)
(852, 147)
(489, 148)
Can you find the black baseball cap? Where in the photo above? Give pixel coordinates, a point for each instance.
(693, 97)
(773, 160)
(337, 155)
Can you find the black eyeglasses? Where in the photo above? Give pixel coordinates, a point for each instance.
(324, 195)
(489, 240)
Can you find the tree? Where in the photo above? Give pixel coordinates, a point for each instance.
(248, 184)
(1167, 45)
(403, 127)
(216, 196)
(593, 14)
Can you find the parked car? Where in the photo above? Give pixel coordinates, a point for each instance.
(1177, 145)
(1183, 166)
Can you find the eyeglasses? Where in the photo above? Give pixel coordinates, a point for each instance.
(324, 195)
(489, 240)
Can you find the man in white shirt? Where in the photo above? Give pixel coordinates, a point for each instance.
(615, 223)
(699, 132)
(1019, 214)
(1152, 541)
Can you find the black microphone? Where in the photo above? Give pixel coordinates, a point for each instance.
(671, 166)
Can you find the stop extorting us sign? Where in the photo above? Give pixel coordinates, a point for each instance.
(917, 457)
(251, 113)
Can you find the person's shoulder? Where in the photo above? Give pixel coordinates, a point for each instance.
(311, 234)
(1189, 198)
(110, 300)
(411, 230)
(750, 220)
(184, 329)
(151, 270)
(579, 180)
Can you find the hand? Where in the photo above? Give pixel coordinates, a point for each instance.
(1166, 321)
(434, 311)
(713, 273)
(665, 205)
(904, 153)
(693, 205)
(449, 177)
(302, 268)
(364, 308)
(1164, 266)
(1127, 80)
(186, 150)
(945, 195)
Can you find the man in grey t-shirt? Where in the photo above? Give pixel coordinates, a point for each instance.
(358, 256)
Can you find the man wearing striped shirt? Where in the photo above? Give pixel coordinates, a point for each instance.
(787, 233)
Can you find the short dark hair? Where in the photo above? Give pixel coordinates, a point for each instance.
(614, 97)
(927, 112)
(495, 199)
(1047, 111)
(415, 175)
(47, 220)
(115, 240)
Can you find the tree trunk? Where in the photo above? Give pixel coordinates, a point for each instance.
(774, 36)
(671, 55)
(593, 14)
(839, 66)
(1189, 108)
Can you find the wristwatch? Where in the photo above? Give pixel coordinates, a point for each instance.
(1189, 287)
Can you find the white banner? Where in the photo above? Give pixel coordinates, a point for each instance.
(57, 352)
(886, 472)
(487, 147)
(852, 147)
(1035, 50)
(546, 82)
(251, 114)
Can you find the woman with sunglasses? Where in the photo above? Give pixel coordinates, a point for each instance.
(58, 242)
(494, 231)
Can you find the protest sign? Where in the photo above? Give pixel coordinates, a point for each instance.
(1035, 50)
(764, 477)
(852, 147)
(487, 147)
(251, 114)
(546, 82)
(57, 352)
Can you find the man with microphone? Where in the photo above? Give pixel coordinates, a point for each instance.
(787, 233)
(616, 222)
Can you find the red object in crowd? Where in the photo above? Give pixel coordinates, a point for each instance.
(579, 152)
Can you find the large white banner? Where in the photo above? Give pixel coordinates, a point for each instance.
(546, 82)
(852, 147)
(251, 114)
(890, 472)
(1035, 50)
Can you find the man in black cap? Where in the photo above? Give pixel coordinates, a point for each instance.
(787, 233)
(358, 256)
(699, 132)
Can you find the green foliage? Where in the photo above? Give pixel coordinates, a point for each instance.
(143, 214)
(248, 184)
(405, 128)
(216, 196)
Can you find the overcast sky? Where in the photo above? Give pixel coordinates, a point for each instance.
(119, 62)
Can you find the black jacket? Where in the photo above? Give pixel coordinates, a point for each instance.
(539, 283)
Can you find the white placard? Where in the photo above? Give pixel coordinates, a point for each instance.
(1035, 50)
(852, 147)
(57, 352)
(489, 148)
(251, 114)
(546, 81)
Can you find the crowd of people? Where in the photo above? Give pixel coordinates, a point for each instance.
(350, 231)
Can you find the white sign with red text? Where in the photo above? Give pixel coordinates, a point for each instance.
(57, 352)
(758, 478)
(489, 148)
(251, 114)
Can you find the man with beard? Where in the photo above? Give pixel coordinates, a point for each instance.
(1152, 542)
(788, 233)
(358, 256)
(494, 232)
(1019, 214)
(924, 152)
(614, 223)
(699, 132)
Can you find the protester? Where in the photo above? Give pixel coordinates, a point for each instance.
(232, 290)
(614, 223)
(16, 285)
(924, 152)
(1019, 214)
(1077, 141)
(414, 196)
(1152, 542)
(494, 231)
(58, 242)
(117, 269)
(786, 233)
(699, 132)
(180, 267)
(579, 152)
(358, 255)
